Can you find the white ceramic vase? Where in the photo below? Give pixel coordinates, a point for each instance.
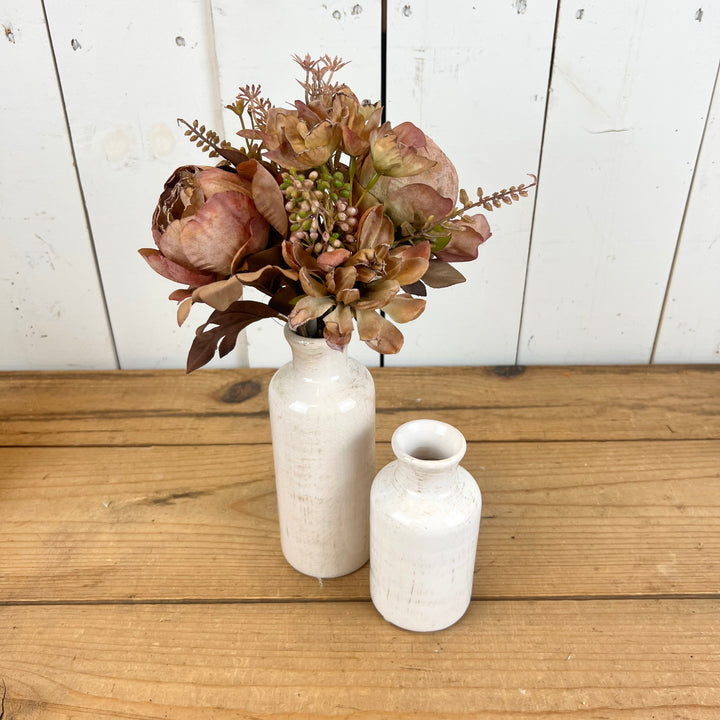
(322, 416)
(424, 522)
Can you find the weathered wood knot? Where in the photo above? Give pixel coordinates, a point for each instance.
(242, 391)
(509, 371)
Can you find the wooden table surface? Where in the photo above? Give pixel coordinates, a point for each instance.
(141, 574)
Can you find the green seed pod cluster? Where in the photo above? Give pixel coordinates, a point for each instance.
(319, 209)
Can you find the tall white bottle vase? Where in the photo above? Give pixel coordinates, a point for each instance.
(322, 417)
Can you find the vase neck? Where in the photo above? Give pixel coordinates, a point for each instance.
(314, 358)
(429, 454)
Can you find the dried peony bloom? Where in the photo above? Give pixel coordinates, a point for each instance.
(395, 151)
(465, 238)
(297, 142)
(204, 224)
(441, 175)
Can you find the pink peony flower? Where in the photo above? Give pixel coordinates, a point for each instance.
(205, 223)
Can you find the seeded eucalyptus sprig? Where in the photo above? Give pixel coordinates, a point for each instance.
(496, 200)
(209, 141)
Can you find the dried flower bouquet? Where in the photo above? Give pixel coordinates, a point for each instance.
(332, 213)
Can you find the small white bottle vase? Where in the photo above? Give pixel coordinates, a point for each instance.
(424, 522)
(322, 418)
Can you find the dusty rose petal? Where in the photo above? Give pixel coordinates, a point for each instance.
(408, 270)
(172, 271)
(266, 194)
(332, 258)
(416, 203)
(310, 285)
(348, 296)
(183, 311)
(369, 323)
(466, 237)
(374, 229)
(410, 135)
(338, 326)
(214, 180)
(308, 308)
(388, 340)
(404, 308)
(170, 245)
(378, 295)
(341, 278)
(216, 232)
(421, 250)
(180, 295)
(221, 294)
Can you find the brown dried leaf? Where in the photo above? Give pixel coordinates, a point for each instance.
(267, 196)
(183, 311)
(441, 274)
(223, 337)
(221, 294)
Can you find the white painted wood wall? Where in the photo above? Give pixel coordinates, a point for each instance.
(615, 259)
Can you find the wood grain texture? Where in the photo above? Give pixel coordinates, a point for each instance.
(224, 406)
(141, 575)
(576, 519)
(635, 659)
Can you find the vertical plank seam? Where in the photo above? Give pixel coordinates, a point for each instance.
(242, 346)
(671, 274)
(383, 90)
(218, 120)
(76, 167)
(539, 175)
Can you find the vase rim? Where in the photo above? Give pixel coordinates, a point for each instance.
(294, 337)
(429, 444)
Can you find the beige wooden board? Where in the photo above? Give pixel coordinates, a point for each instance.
(634, 660)
(560, 520)
(52, 312)
(223, 406)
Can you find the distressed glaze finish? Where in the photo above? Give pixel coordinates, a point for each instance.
(322, 416)
(424, 522)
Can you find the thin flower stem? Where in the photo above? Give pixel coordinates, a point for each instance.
(372, 182)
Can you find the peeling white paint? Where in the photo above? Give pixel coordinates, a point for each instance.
(118, 143)
(162, 140)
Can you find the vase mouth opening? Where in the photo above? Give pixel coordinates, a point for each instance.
(429, 442)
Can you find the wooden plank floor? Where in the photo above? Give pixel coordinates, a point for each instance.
(141, 575)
